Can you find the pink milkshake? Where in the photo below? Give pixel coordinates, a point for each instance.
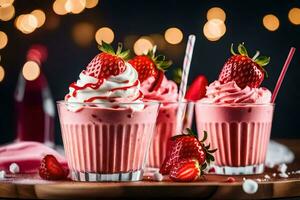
(237, 114)
(106, 126)
(166, 124)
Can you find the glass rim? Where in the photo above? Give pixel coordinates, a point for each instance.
(234, 104)
(106, 103)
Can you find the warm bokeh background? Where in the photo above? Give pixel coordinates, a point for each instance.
(70, 39)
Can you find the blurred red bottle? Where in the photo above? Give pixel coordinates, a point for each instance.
(34, 105)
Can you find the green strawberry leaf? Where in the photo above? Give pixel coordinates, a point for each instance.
(125, 54)
(163, 65)
(204, 136)
(190, 132)
(231, 49)
(203, 166)
(212, 151)
(262, 60)
(177, 74)
(242, 49)
(107, 48)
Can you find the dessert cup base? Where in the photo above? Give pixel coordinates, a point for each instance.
(227, 170)
(98, 177)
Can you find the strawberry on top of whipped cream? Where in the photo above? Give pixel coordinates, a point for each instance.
(108, 80)
(231, 93)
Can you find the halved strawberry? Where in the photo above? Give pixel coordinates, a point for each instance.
(108, 62)
(242, 69)
(186, 170)
(51, 169)
(150, 65)
(197, 89)
(187, 146)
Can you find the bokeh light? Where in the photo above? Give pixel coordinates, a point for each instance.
(214, 29)
(216, 13)
(31, 70)
(6, 3)
(83, 33)
(59, 7)
(294, 16)
(142, 45)
(2, 73)
(158, 40)
(7, 12)
(26, 23)
(52, 22)
(91, 3)
(75, 6)
(3, 39)
(271, 22)
(40, 16)
(173, 35)
(104, 34)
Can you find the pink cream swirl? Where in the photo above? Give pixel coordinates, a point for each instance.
(231, 93)
(122, 88)
(168, 90)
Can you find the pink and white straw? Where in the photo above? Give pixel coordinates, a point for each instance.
(184, 79)
(186, 66)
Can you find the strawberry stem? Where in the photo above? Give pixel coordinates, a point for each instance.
(256, 55)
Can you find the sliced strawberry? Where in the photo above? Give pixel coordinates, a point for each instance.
(186, 146)
(197, 89)
(51, 169)
(186, 170)
(150, 65)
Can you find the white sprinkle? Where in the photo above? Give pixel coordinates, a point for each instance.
(157, 176)
(282, 168)
(258, 180)
(250, 186)
(244, 178)
(14, 168)
(267, 176)
(283, 175)
(289, 173)
(274, 174)
(2, 175)
(297, 172)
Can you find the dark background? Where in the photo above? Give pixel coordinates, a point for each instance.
(138, 18)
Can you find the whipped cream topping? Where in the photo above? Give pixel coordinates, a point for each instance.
(168, 90)
(231, 93)
(114, 92)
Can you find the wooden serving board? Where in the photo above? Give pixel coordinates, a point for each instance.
(214, 187)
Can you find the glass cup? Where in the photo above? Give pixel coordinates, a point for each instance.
(240, 132)
(173, 117)
(107, 141)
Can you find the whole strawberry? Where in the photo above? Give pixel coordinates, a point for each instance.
(242, 69)
(149, 65)
(108, 62)
(186, 146)
(186, 170)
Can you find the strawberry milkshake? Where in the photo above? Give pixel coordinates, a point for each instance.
(106, 126)
(155, 86)
(166, 123)
(237, 114)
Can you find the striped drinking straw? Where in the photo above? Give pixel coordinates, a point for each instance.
(184, 80)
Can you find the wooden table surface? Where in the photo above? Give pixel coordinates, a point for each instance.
(214, 187)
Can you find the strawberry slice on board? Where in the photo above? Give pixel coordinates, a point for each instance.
(186, 170)
(51, 169)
